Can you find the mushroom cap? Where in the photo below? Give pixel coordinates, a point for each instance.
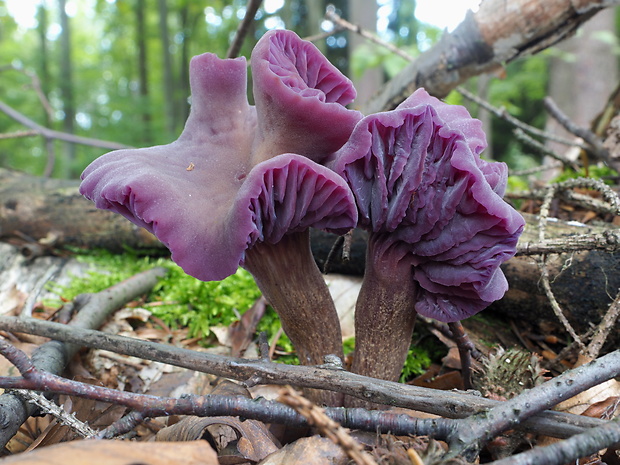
(301, 96)
(422, 189)
(204, 196)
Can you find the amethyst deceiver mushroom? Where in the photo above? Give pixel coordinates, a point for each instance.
(242, 184)
(438, 226)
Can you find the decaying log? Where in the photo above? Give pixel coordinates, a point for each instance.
(584, 282)
(52, 213)
(498, 33)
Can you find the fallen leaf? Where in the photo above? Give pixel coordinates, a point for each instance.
(117, 452)
(241, 332)
(314, 450)
(257, 442)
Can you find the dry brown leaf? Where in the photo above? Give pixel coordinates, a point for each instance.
(241, 332)
(314, 450)
(118, 453)
(253, 440)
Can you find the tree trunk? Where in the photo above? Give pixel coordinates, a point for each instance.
(44, 214)
(66, 89)
(364, 14)
(141, 37)
(571, 85)
(167, 62)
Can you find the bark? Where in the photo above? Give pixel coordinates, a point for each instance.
(51, 212)
(363, 14)
(498, 33)
(169, 99)
(141, 37)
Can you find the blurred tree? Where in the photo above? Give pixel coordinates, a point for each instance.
(66, 87)
(141, 41)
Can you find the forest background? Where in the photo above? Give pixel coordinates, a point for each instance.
(118, 70)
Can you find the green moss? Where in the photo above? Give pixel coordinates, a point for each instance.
(178, 300)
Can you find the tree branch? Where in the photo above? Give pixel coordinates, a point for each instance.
(51, 134)
(498, 33)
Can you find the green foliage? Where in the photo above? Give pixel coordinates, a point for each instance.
(418, 361)
(368, 56)
(603, 173)
(521, 93)
(182, 301)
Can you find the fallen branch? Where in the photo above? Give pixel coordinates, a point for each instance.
(54, 356)
(570, 450)
(444, 403)
(465, 437)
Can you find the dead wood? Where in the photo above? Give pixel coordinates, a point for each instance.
(498, 33)
(54, 356)
(52, 213)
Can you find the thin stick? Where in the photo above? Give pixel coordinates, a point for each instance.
(570, 450)
(604, 328)
(244, 28)
(530, 141)
(51, 134)
(465, 347)
(594, 142)
(331, 15)
(503, 114)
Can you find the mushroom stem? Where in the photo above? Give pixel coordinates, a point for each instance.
(384, 314)
(292, 283)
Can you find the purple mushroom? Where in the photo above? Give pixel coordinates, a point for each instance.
(242, 184)
(438, 226)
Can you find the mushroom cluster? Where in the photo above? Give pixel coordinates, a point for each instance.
(243, 184)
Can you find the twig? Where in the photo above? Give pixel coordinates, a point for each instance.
(544, 271)
(244, 28)
(569, 450)
(536, 169)
(604, 328)
(35, 83)
(18, 134)
(332, 254)
(330, 14)
(530, 141)
(326, 426)
(444, 403)
(503, 114)
(50, 408)
(51, 134)
(595, 143)
(323, 35)
(211, 405)
(465, 347)
(608, 241)
(610, 196)
(573, 198)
